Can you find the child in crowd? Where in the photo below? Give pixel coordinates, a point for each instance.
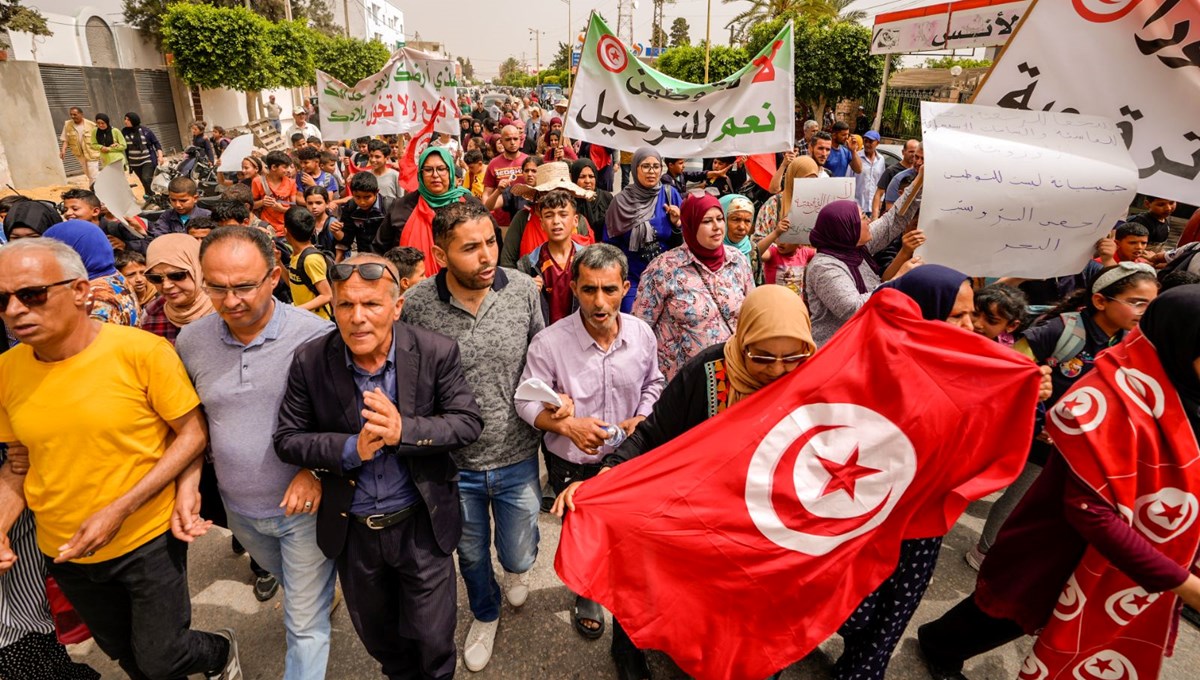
(183, 194)
(308, 268)
(410, 263)
(274, 192)
(298, 141)
(1158, 211)
(476, 168)
(1132, 239)
(199, 227)
(362, 157)
(318, 203)
(784, 263)
(549, 264)
(387, 179)
(329, 165)
(132, 266)
(311, 173)
(362, 216)
(999, 312)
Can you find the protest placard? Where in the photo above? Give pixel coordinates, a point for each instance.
(233, 155)
(809, 195)
(1135, 62)
(1020, 193)
(982, 23)
(620, 102)
(400, 98)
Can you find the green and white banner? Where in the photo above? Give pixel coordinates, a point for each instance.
(622, 103)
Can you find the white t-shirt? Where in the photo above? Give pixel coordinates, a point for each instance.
(309, 130)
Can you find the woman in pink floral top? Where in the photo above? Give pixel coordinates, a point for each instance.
(691, 295)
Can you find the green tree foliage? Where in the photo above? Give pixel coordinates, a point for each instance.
(949, 62)
(832, 59)
(658, 37)
(511, 73)
(679, 33)
(292, 44)
(812, 11)
(350, 60)
(20, 19)
(468, 70)
(562, 58)
(216, 47)
(148, 15)
(687, 63)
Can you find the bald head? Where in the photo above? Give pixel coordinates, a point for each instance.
(510, 140)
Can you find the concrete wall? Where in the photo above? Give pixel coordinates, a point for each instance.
(29, 138)
(69, 45)
(228, 108)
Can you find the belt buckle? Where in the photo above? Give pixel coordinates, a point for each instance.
(371, 519)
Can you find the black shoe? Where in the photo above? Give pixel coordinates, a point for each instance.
(632, 666)
(1191, 615)
(265, 587)
(547, 499)
(238, 548)
(938, 671)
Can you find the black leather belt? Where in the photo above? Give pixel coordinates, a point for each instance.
(379, 522)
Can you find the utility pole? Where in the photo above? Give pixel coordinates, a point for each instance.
(537, 38)
(346, 12)
(625, 21)
(707, 40)
(570, 44)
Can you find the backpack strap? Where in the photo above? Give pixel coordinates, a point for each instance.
(302, 274)
(1071, 342)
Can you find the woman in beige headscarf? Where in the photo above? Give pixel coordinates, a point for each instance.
(774, 209)
(173, 267)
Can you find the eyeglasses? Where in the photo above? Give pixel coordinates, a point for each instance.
(32, 296)
(369, 271)
(178, 276)
(241, 292)
(769, 359)
(1136, 305)
(438, 170)
(650, 168)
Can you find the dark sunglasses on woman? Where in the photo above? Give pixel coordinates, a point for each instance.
(157, 279)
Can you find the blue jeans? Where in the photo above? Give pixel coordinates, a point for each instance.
(514, 497)
(287, 547)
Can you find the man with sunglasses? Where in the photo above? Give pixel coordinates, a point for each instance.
(271, 506)
(110, 433)
(493, 313)
(375, 408)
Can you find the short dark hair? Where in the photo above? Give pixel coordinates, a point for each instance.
(839, 126)
(447, 219)
(241, 193)
(363, 140)
(299, 223)
(558, 198)
(82, 195)
(406, 259)
(182, 185)
(364, 182)
(820, 135)
(313, 139)
(727, 160)
(201, 223)
(309, 153)
(535, 161)
(218, 129)
(600, 256)
(327, 156)
(256, 237)
(124, 258)
(276, 159)
(1179, 277)
(1132, 229)
(472, 156)
(1008, 301)
(228, 209)
(297, 137)
(378, 145)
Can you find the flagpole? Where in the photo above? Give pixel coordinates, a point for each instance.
(707, 40)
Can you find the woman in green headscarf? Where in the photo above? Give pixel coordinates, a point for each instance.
(411, 217)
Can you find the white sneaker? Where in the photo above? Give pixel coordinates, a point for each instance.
(974, 557)
(516, 588)
(233, 664)
(480, 640)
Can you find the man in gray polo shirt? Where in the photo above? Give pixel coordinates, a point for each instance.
(238, 359)
(493, 313)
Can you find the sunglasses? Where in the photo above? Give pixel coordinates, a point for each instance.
(769, 359)
(157, 279)
(32, 296)
(369, 271)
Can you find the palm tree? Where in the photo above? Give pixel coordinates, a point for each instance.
(766, 10)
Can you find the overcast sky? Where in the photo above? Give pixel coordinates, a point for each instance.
(490, 31)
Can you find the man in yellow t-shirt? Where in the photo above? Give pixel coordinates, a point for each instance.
(87, 410)
(306, 270)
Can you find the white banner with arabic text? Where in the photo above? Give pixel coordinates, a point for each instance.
(983, 23)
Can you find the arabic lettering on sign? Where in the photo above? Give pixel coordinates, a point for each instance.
(402, 97)
(809, 195)
(911, 30)
(985, 26)
(1152, 51)
(1020, 193)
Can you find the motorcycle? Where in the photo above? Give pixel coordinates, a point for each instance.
(191, 164)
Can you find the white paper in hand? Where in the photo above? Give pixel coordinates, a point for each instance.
(112, 188)
(535, 389)
(233, 155)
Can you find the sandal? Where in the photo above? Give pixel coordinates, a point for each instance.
(588, 610)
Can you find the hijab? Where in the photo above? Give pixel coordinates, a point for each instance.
(104, 137)
(182, 252)
(635, 204)
(550, 128)
(801, 167)
(1172, 325)
(453, 194)
(691, 215)
(933, 287)
(90, 242)
(133, 136)
(36, 215)
(836, 234)
(769, 311)
(731, 203)
(593, 210)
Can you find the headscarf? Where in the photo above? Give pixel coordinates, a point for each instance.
(933, 287)
(30, 214)
(550, 128)
(104, 137)
(836, 234)
(732, 203)
(1172, 324)
(769, 311)
(453, 194)
(182, 252)
(133, 136)
(801, 167)
(595, 209)
(90, 242)
(635, 204)
(695, 207)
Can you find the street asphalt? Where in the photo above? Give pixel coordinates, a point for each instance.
(538, 641)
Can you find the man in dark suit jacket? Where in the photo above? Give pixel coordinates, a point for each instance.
(374, 409)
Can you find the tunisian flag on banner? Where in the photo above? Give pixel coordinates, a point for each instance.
(740, 546)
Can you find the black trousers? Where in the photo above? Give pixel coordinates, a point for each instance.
(400, 591)
(140, 612)
(145, 173)
(963, 632)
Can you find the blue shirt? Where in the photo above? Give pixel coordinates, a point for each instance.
(838, 161)
(384, 484)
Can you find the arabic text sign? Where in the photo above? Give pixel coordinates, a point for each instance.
(398, 99)
(983, 23)
(1136, 63)
(809, 195)
(619, 102)
(911, 30)
(1020, 193)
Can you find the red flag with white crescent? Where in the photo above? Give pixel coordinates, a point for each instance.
(741, 545)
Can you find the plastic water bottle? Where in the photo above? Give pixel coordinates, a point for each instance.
(616, 435)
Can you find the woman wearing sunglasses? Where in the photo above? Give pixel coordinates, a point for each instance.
(173, 268)
(773, 338)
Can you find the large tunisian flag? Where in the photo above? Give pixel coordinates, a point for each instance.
(740, 546)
